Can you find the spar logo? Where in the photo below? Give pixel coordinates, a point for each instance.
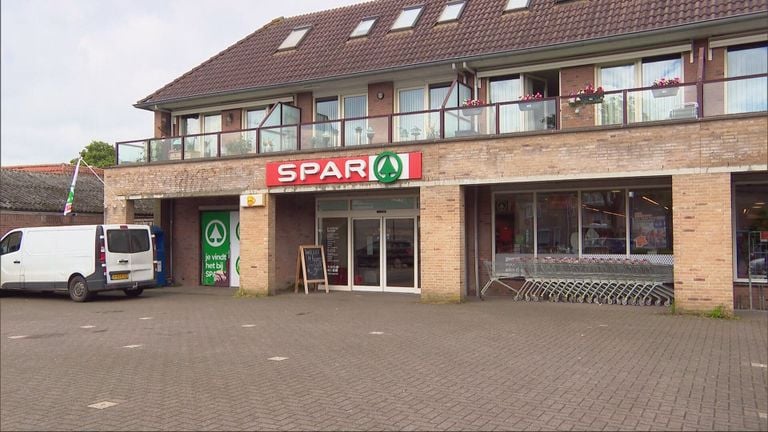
(386, 167)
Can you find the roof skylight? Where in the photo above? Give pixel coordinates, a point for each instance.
(517, 4)
(452, 11)
(294, 38)
(407, 18)
(364, 27)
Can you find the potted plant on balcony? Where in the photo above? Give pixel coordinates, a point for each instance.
(529, 102)
(472, 107)
(588, 95)
(664, 87)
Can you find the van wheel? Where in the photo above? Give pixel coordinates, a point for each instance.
(78, 289)
(133, 292)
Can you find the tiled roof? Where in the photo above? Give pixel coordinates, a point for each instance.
(61, 168)
(483, 29)
(27, 190)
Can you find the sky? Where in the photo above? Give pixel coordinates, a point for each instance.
(71, 70)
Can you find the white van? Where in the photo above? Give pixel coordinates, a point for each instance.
(79, 259)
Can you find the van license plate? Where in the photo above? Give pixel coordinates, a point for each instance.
(119, 276)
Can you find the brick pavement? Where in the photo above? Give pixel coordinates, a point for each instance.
(493, 365)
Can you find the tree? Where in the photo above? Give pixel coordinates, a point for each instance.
(97, 154)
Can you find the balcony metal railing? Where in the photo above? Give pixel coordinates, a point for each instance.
(618, 108)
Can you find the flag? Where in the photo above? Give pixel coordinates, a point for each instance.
(71, 196)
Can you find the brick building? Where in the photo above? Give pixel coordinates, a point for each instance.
(35, 195)
(601, 130)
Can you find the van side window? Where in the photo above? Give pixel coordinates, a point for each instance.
(12, 243)
(127, 241)
(117, 241)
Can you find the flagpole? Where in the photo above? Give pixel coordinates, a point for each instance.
(71, 196)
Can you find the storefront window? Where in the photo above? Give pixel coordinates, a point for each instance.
(557, 223)
(650, 221)
(751, 218)
(514, 227)
(603, 222)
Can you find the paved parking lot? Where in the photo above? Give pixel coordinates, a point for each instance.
(197, 358)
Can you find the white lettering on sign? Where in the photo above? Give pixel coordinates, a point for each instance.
(331, 170)
(287, 173)
(357, 166)
(308, 168)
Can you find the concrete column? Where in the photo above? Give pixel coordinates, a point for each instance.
(443, 264)
(702, 241)
(257, 248)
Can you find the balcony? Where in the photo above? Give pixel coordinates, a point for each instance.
(282, 132)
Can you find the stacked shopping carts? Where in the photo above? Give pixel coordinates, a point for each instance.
(592, 280)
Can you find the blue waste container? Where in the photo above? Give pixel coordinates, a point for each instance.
(161, 278)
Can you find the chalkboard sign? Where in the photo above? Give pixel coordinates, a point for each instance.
(310, 267)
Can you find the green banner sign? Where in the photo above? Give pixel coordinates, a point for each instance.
(215, 241)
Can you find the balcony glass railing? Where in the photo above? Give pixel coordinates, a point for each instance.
(617, 108)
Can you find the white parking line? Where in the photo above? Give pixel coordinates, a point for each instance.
(132, 346)
(87, 326)
(17, 337)
(102, 405)
(760, 365)
(278, 358)
(145, 318)
(376, 333)
(248, 325)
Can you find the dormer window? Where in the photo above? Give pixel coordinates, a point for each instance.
(452, 11)
(407, 18)
(294, 38)
(363, 28)
(516, 4)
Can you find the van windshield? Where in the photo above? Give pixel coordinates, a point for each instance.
(127, 241)
(10, 243)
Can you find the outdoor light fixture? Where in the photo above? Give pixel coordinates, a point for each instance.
(380, 95)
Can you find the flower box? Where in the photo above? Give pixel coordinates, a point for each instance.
(665, 91)
(530, 106)
(586, 99)
(471, 111)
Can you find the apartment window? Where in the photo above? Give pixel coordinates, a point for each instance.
(294, 38)
(407, 18)
(516, 4)
(205, 145)
(452, 11)
(254, 117)
(326, 113)
(363, 28)
(747, 95)
(642, 105)
(507, 89)
(356, 131)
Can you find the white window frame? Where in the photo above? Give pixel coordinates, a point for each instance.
(510, 7)
(441, 19)
(413, 23)
(373, 21)
(284, 45)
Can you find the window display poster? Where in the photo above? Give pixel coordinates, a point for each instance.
(332, 249)
(649, 231)
(215, 227)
